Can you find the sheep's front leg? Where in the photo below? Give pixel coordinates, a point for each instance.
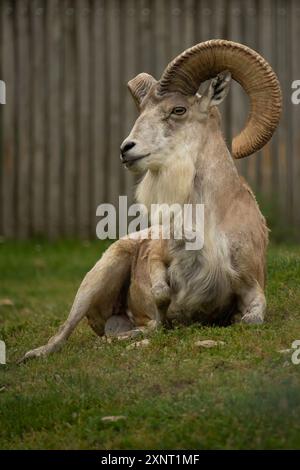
(96, 295)
(158, 275)
(252, 305)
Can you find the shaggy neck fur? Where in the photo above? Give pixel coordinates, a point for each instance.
(199, 173)
(169, 185)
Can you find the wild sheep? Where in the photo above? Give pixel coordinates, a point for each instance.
(177, 146)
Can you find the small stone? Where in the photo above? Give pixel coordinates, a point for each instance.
(112, 419)
(6, 302)
(285, 351)
(138, 344)
(208, 343)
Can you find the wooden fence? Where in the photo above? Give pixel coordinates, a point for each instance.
(66, 64)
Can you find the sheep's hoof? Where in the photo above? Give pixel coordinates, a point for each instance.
(161, 293)
(252, 319)
(38, 352)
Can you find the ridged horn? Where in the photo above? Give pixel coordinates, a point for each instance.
(139, 87)
(205, 60)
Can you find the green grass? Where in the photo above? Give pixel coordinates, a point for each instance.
(244, 394)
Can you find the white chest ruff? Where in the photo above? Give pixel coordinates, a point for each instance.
(202, 281)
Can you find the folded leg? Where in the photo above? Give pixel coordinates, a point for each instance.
(96, 296)
(252, 304)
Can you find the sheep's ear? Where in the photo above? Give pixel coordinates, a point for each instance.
(139, 86)
(216, 91)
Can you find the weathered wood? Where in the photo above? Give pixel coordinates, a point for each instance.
(161, 37)
(83, 22)
(265, 48)
(23, 104)
(115, 172)
(236, 96)
(219, 19)
(294, 134)
(54, 83)
(188, 39)
(138, 28)
(2, 101)
(130, 70)
(70, 134)
(176, 27)
(66, 64)
(37, 123)
(251, 40)
(282, 64)
(99, 121)
(9, 170)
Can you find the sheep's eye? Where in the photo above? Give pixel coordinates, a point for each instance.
(178, 110)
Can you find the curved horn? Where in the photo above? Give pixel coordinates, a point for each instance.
(140, 85)
(205, 60)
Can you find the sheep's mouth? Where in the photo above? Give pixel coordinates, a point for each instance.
(131, 161)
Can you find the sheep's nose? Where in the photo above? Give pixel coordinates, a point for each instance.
(126, 146)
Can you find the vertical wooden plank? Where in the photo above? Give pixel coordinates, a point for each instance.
(145, 12)
(69, 126)
(23, 117)
(9, 148)
(131, 69)
(205, 18)
(295, 112)
(99, 123)
(274, 144)
(1, 119)
(91, 77)
(37, 202)
(265, 49)
(250, 39)
(189, 28)
(54, 107)
(219, 18)
(83, 26)
(122, 90)
(288, 122)
(236, 97)
(226, 106)
(283, 57)
(175, 28)
(114, 73)
(258, 156)
(161, 37)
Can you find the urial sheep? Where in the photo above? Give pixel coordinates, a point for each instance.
(177, 147)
